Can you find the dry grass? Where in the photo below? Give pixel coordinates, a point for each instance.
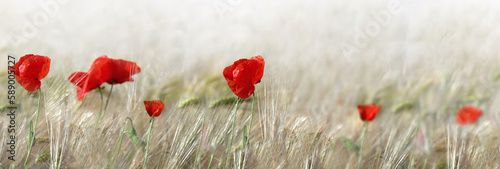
(421, 68)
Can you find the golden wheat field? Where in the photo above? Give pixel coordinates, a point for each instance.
(421, 61)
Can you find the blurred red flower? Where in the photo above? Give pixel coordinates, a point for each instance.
(243, 75)
(154, 108)
(103, 69)
(368, 112)
(30, 69)
(468, 115)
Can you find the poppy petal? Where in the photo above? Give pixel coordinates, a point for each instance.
(101, 70)
(243, 74)
(80, 94)
(33, 66)
(250, 71)
(259, 65)
(368, 112)
(468, 115)
(30, 69)
(78, 78)
(29, 84)
(242, 90)
(154, 108)
(228, 72)
(84, 82)
(122, 71)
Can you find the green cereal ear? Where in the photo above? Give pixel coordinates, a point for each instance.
(189, 101)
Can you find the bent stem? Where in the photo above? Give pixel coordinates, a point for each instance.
(120, 140)
(360, 158)
(147, 144)
(32, 140)
(100, 109)
(232, 133)
(109, 95)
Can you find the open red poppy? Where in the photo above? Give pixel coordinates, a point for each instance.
(103, 69)
(84, 83)
(154, 108)
(243, 75)
(368, 112)
(468, 115)
(121, 70)
(30, 69)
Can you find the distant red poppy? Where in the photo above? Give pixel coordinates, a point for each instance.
(103, 69)
(154, 108)
(243, 75)
(468, 115)
(368, 112)
(30, 69)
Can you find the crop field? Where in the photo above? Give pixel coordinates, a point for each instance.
(420, 61)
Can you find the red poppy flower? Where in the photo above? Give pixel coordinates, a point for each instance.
(84, 83)
(88, 81)
(243, 75)
(120, 70)
(154, 108)
(468, 115)
(368, 112)
(30, 69)
(103, 69)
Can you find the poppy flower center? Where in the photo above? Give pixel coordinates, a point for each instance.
(36, 79)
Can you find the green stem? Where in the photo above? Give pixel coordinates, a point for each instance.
(147, 144)
(251, 118)
(120, 140)
(100, 109)
(360, 158)
(107, 100)
(161, 157)
(199, 146)
(425, 162)
(34, 129)
(232, 133)
(211, 158)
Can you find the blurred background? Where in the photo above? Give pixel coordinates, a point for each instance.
(326, 44)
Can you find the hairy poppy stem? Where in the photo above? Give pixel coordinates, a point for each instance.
(100, 109)
(120, 140)
(147, 144)
(360, 158)
(31, 142)
(109, 95)
(232, 133)
(251, 118)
